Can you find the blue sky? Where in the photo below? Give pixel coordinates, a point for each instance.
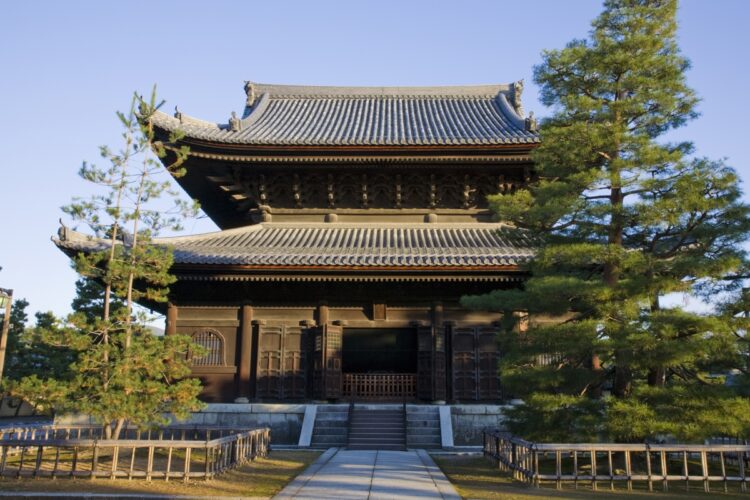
(67, 66)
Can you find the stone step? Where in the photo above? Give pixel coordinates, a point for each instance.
(377, 439)
(356, 433)
(331, 432)
(378, 447)
(330, 423)
(329, 440)
(334, 415)
(377, 428)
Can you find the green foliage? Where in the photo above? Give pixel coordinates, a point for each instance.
(27, 354)
(689, 413)
(121, 372)
(556, 418)
(624, 219)
(144, 380)
(89, 299)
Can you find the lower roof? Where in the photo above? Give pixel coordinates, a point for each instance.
(343, 246)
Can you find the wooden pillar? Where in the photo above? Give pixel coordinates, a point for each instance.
(323, 316)
(171, 326)
(245, 345)
(439, 393)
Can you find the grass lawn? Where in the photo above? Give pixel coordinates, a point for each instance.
(476, 477)
(261, 479)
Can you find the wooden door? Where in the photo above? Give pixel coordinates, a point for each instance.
(464, 364)
(333, 377)
(318, 351)
(475, 364)
(282, 362)
(488, 356)
(294, 356)
(270, 343)
(424, 363)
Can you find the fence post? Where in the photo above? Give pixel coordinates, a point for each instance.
(187, 464)
(94, 460)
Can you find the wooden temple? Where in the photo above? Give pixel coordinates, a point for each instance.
(352, 221)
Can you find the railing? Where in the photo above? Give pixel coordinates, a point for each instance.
(380, 386)
(594, 463)
(167, 453)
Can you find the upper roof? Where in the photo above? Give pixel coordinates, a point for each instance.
(290, 115)
(344, 246)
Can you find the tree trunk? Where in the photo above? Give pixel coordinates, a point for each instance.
(657, 377)
(596, 367)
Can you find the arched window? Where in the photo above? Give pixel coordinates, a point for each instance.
(213, 342)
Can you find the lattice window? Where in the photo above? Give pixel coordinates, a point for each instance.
(213, 342)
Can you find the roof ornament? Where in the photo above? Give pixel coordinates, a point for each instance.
(64, 232)
(235, 124)
(178, 114)
(530, 123)
(250, 91)
(517, 91)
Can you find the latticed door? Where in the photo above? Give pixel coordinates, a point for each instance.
(270, 343)
(474, 361)
(318, 351)
(464, 364)
(333, 378)
(282, 362)
(294, 357)
(488, 388)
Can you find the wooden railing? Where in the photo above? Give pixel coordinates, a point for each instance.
(380, 386)
(166, 453)
(611, 463)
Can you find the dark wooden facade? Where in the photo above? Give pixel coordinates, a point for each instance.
(353, 221)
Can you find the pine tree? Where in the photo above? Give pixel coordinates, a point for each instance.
(624, 219)
(122, 373)
(90, 297)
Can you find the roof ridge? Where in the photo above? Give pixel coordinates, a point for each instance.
(379, 91)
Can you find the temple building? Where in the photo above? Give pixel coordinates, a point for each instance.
(352, 221)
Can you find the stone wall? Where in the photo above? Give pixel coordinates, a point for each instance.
(285, 420)
(470, 420)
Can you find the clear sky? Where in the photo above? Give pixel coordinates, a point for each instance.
(67, 66)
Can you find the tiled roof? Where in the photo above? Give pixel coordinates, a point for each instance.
(369, 116)
(346, 245)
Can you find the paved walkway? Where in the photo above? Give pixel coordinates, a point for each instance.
(348, 474)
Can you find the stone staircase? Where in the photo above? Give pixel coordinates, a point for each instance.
(331, 426)
(377, 427)
(423, 427)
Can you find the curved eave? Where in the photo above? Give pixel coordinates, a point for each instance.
(229, 149)
(219, 268)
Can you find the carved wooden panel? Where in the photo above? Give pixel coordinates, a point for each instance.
(372, 189)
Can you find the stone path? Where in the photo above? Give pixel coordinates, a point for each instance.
(369, 474)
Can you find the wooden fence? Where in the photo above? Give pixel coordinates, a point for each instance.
(380, 386)
(178, 452)
(610, 463)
